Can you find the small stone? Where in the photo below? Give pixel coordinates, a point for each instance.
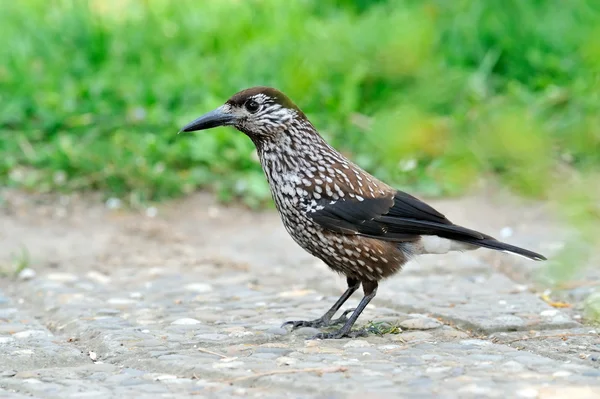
(528, 393)
(113, 203)
(136, 295)
(240, 334)
(562, 373)
(475, 342)
(27, 274)
(8, 373)
(151, 212)
(30, 333)
(199, 287)
(295, 293)
(549, 313)
(98, 277)
(357, 343)
(423, 323)
(388, 347)
(185, 322)
(93, 355)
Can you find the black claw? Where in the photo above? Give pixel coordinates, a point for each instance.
(304, 323)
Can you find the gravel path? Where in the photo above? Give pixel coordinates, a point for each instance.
(189, 304)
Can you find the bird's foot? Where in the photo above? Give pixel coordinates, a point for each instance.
(320, 322)
(341, 333)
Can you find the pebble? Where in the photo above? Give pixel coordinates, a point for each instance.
(239, 320)
(562, 373)
(27, 274)
(475, 342)
(185, 322)
(528, 393)
(549, 313)
(199, 287)
(423, 323)
(98, 277)
(121, 301)
(31, 334)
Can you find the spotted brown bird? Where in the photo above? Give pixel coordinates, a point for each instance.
(358, 225)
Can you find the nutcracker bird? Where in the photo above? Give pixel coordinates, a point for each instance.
(359, 226)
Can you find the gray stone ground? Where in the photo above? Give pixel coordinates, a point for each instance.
(188, 304)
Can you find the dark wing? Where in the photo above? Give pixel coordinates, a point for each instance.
(400, 217)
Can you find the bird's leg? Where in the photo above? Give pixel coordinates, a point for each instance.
(370, 289)
(325, 320)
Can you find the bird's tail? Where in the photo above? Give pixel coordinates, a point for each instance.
(504, 247)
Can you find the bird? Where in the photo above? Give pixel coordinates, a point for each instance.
(359, 226)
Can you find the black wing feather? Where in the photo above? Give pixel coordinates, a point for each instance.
(407, 206)
(398, 218)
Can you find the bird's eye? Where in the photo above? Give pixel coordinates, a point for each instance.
(252, 106)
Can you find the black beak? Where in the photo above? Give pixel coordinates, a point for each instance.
(215, 118)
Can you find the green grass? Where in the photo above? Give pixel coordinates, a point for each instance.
(92, 93)
(430, 95)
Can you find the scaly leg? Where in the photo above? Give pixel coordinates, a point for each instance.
(370, 289)
(325, 320)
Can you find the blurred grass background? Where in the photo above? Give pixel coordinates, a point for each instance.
(431, 95)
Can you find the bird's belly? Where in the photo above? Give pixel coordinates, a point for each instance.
(351, 255)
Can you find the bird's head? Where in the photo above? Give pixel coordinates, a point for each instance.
(259, 112)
